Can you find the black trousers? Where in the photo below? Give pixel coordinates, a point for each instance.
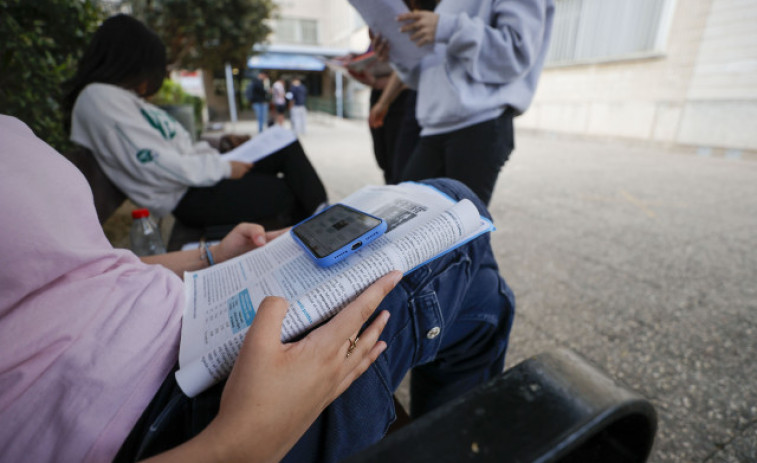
(408, 136)
(473, 155)
(280, 190)
(396, 139)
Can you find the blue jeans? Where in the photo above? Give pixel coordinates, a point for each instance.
(261, 111)
(450, 325)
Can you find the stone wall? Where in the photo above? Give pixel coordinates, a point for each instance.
(701, 91)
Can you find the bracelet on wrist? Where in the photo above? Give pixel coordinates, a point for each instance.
(205, 255)
(208, 254)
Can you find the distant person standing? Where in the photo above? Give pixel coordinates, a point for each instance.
(486, 60)
(393, 126)
(386, 128)
(298, 112)
(393, 115)
(258, 94)
(278, 95)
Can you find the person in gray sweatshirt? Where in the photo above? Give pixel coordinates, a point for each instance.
(484, 62)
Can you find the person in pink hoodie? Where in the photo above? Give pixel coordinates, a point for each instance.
(88, 333)
(89, 339)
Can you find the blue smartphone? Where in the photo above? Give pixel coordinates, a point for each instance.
(337, 232)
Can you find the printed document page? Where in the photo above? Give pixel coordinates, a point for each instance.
(381, 18)
(221, 301)
(261, 145)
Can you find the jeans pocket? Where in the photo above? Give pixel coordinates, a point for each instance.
(427, 318)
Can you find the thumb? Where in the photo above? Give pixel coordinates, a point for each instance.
(253, 232)
(266, 326)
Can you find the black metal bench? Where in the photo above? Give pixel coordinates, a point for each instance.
(554, 407)
(108, 198)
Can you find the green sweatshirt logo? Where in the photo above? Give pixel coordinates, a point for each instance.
(161, 121)
(144, 156)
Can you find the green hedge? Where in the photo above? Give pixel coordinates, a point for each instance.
(171, 93)
(40, 44)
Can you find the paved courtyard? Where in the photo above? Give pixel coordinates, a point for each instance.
(643, 260)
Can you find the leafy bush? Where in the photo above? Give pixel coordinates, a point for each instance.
(41, 43)
(171, 93)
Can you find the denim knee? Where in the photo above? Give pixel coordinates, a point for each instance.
(472, 341)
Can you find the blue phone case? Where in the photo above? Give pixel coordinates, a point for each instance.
(349, 248)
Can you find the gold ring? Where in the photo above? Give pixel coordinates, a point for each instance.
(353, 345)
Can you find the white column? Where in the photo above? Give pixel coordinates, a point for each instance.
(230, 94)
(339, 96)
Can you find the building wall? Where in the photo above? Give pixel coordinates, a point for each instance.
(721, 106)
(346, 29)
(701, 91)
(302, 9)
(339, 27)
(338, 23)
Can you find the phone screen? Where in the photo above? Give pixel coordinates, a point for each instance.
(334, 228)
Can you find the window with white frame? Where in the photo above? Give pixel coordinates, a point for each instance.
(309, 31)
(586, 31)
(298, 31)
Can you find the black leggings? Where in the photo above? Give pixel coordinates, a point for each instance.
(394, 141)
(280, 190)
(473, 155)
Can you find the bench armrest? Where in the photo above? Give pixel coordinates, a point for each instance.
(552, 407)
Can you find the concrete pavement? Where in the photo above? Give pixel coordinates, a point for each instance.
(641, 259)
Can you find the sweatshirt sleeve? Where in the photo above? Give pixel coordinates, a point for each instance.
(140, 143)
(164, 161)
(496, 53)
(408, 77)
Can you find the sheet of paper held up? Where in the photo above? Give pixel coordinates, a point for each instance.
(271, 140)
(381, 17)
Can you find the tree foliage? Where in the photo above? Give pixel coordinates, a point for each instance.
(206, 33)
(40, 44)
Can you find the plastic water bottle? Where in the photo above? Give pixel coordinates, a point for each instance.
(145, 235)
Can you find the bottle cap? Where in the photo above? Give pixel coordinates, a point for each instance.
(140, 213)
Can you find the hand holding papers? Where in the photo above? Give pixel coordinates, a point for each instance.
(262, 145)
(381, 17)
(364, 63)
